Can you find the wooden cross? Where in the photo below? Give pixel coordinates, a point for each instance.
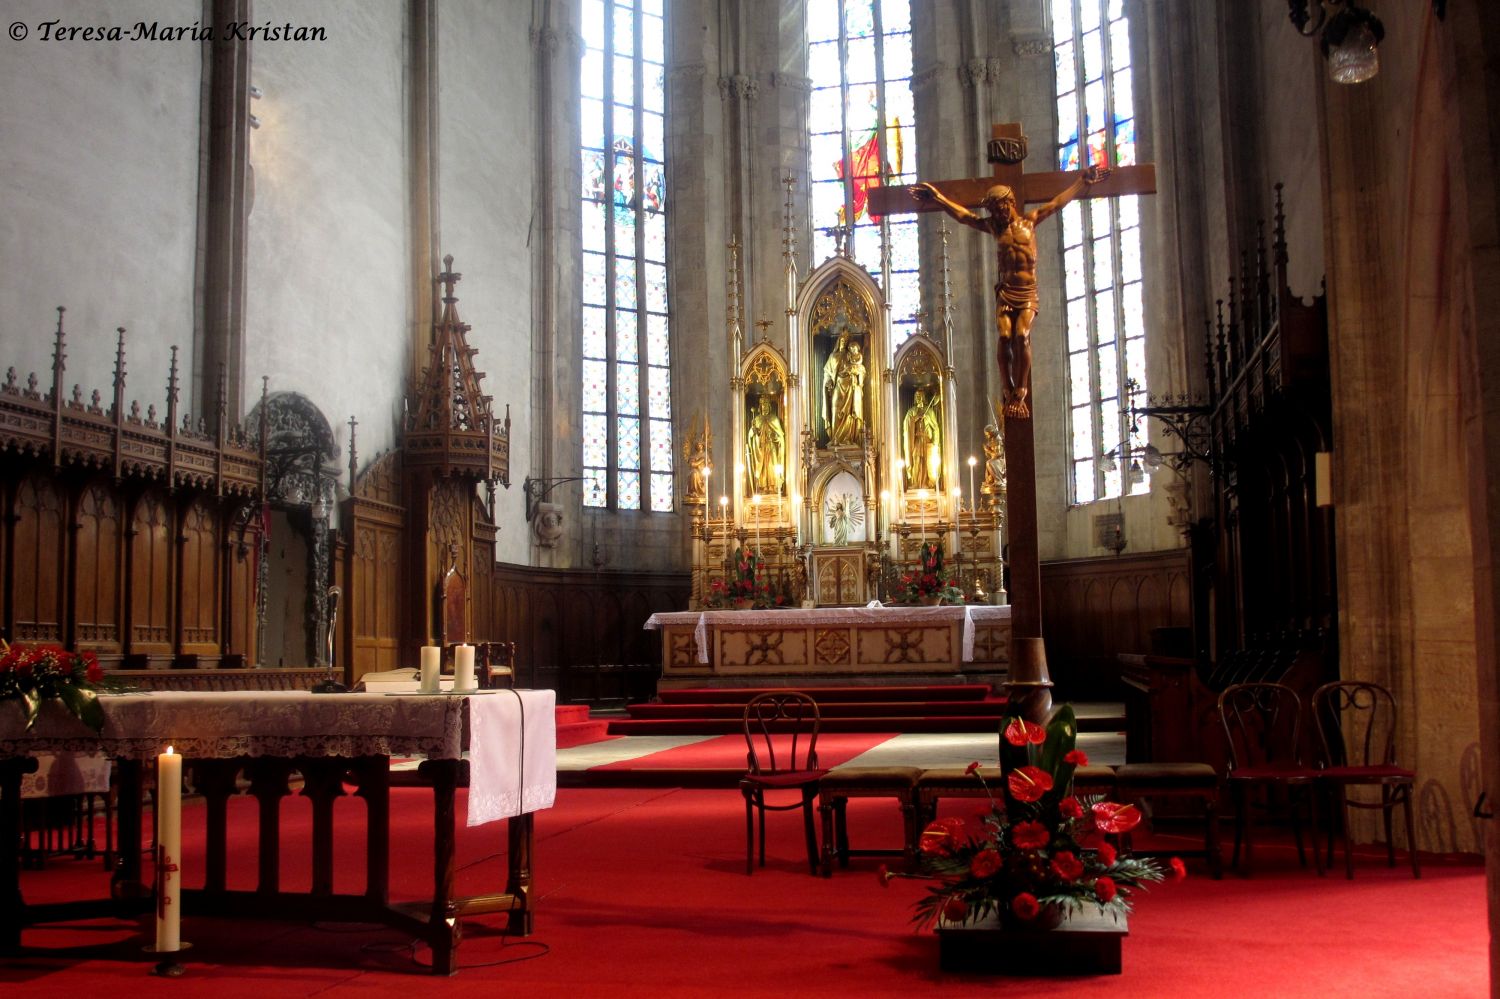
(1006, 151)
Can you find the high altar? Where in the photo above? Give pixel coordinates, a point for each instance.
(845, 460)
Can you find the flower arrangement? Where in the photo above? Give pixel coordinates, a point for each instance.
(33, 673)
(746, 586)
(1041, 851)
(930, 582)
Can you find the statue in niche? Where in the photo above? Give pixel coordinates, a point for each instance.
(695, 452)
(1016, 298)
(765, 448)
(845, 514)
(844, 388)
(921, 441)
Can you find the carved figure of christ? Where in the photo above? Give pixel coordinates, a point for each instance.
(1007, 150)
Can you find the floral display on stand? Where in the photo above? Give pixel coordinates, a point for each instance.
(32, 674)
(748, 585)
(1041, 852)
(930, 582)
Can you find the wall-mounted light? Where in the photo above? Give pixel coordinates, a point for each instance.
(1349, 34)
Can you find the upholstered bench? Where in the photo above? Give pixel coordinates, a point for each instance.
(957, 782)
(1137, 781)
(842, 783)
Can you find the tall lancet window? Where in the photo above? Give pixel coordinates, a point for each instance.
(862, 126)
(1101, 246)
(627, 390)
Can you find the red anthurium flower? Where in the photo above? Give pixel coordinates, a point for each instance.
(1029, 783)
(1069, 808)
(1091, 839)
(1020, 731)
(1066, 865)
(1105, 889)
(985, 863)
(1029, 835)
(972, 768)
(942, 836)
(955, 910)
(1025, 906)
(1114, 818)
(1107, 855)
(1077, 757)
(1179, 869)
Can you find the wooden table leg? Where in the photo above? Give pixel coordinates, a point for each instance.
(322, 784)
(126, 883)
(214, 779)
(520, 831)
(443, 926)
(12, 906)
(373, 775)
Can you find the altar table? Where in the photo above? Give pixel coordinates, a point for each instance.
(834, 642)
(329, 739)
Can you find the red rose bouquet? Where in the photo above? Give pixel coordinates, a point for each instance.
(1041, 851)
(33, 673)
(930, 580)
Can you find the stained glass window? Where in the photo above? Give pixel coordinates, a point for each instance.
(1101, 246)
(626, 342)
(862, 134)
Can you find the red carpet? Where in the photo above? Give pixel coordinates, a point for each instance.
(643, 893)
(729, 751)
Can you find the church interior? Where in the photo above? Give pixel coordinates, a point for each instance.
(949, 360)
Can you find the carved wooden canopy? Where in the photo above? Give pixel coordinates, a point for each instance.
(450, 429)
(177, 450)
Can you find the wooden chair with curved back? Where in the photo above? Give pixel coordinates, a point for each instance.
(1263, 723)
(1356, 722)
(781, 738)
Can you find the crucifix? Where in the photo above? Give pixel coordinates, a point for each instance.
(1015, 306)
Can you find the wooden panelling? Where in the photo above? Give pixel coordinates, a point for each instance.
(98, 560)
(374, 585)
(561, 618)
(151, 596)
(40, 559)
(1094, 609)
(199, 589)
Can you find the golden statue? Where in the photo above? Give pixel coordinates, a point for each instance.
(994, 462)
(695, 452)
(1015, 294)
(921, 442)
(765, 449)
(844, 391)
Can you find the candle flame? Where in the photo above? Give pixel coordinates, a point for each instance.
(169, 751)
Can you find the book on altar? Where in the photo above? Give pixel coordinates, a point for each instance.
(399, 681)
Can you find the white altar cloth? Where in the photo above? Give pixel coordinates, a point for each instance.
(288, 723)
(799, 617)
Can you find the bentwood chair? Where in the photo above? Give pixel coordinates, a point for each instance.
(1356, 721)
(781, 736)
(1262, 722)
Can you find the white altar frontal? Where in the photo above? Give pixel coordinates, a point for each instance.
(968, 643)
(841, 456)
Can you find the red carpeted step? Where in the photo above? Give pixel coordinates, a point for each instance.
(582, 733)
(721, 726)
(837, 709)
(739, 695)
(571, 714)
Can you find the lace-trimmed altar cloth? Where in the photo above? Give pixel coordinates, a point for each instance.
(287, 723)
(832, 616)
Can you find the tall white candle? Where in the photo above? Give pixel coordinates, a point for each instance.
(463, 668)
(754, 513)
(958, 506)
(168, 852)
(432, 660)
(922, 515)
(972, 494)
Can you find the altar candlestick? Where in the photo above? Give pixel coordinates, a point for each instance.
(922, 516)
(958, 506)
(885, 515)
(797, 519)
(463, 668)
(972, 494)
(755, 515)
(432, 658)
(168, 852)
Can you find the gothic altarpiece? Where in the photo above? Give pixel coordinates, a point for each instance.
(844, 452)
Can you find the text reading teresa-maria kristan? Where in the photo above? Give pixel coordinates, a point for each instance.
(155, 31)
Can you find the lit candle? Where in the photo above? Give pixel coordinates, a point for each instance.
(797, 518)
(885, 515)
(900, 474)
(432, 658)
(463, 668)
(755, 515)
(922, 516)
(724, 511)
(972, 494)
(958, 506)
(168, 852)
